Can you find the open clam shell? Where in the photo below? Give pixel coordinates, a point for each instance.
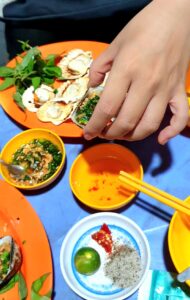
(75, 63)
(84, 110)
(10, 259)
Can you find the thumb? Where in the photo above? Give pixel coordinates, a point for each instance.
(101, 66)
(179, 107)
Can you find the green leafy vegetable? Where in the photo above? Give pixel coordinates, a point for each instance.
(36, 82)
(22, 288)
(31, 70)
(18, 99)
(36, 287)
(9, 81)
(6, 71)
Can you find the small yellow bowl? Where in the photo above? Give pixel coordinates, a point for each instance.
(94, 176)
(179, 240)
(25, 137)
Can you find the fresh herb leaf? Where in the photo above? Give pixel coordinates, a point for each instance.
(24, 45)
(18, 99)
(35, 296)
(36, 287)
(52, 71)
(9, 81)
(48, 80)
(36, 82)
(22, 288)
(6, 72)
(37, 284)
(51, 60)
(30, 69)
(30, 55)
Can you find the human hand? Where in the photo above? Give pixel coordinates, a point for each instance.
(147, 62)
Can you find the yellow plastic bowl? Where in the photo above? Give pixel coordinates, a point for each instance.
(25, 137)
(94, 176)
(179, 240)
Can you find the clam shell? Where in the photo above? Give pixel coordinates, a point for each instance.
(10, 266)
(92, 92)
(54, 112)
(75, 64)
(72, 91)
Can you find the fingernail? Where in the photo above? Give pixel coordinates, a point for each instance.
(87, 136)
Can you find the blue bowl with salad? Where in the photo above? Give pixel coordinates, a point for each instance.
(40, 152)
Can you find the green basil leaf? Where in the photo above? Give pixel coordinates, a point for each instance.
(24, 45)
(9, 81)
(30, 66)
(36, 296)
(47, 80)
(36, 287)
(51, 60)
(52, 71)
(18, 99)
(30, 55)
(22, 288)
(6, 72)
(36, 82)
(37, 284)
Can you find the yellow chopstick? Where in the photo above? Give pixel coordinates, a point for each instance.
(154, 192)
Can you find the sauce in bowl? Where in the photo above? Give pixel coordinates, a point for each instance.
(40, 159)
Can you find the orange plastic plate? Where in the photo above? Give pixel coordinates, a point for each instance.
(29, 119)
(18, 219)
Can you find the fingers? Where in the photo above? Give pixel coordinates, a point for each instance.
(179, 108)
(131, 111)
(109, 104)
(151, 118)
(101, 66)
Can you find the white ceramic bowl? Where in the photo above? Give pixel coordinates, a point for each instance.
(96, 286)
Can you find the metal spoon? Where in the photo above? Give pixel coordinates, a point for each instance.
(13, 169)
(183, 276)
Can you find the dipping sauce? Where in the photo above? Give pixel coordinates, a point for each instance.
(40, 159)
(101, 183)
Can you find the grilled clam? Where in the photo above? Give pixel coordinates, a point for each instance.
(75, 64)
(10, 258)
(84, 110)
(54, 112)
(72, 91)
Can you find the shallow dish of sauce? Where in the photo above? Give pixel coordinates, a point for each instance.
(94, 176)
(42, 154)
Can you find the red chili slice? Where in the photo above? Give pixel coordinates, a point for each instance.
(103, 237)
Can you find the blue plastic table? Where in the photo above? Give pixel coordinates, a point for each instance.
(166, 167)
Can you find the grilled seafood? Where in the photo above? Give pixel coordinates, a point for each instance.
(84, 110)
(75, 64)
(10, 259)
